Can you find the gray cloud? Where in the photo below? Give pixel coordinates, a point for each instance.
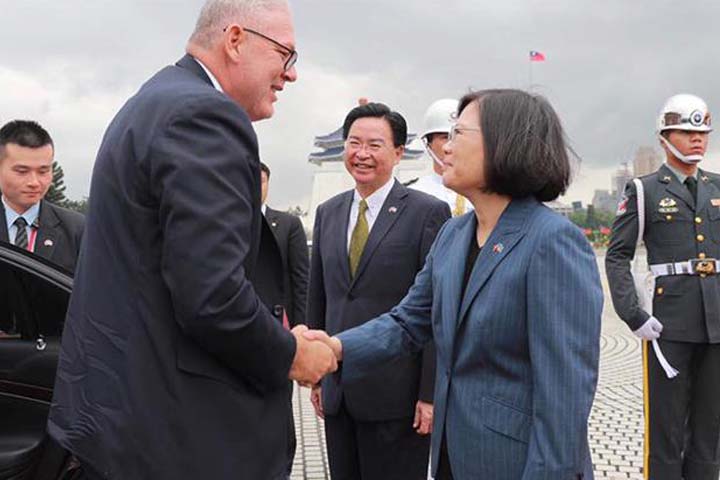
(609, 67)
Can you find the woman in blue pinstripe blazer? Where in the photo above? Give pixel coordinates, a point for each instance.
(511, 295)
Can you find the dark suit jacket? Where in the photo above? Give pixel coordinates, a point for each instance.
(171, 366)
(394, 253)
(267, 277)
(517, 350)
(291, 240)
(58, 240)
(59, 234)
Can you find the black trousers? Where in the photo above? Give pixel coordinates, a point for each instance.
(682, 415)
(388, 450)
(444, 471)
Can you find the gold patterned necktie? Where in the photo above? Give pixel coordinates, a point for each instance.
(359, 238)
(459, 205)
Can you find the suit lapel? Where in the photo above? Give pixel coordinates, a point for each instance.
(674, 187)
(275, 224)
(457, 258)
(341, 235)
(507, 233)
(47, 237)
(389, 213)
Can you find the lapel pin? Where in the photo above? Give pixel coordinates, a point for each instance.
(392, 209)
(498, 248)
(48, 243)
(666, 178)
(274, 224)
(704, 178)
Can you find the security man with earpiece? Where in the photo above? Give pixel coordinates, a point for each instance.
(682, 237)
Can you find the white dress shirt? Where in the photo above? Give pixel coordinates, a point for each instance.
(433, 185)
(374, 202)
(214, 81)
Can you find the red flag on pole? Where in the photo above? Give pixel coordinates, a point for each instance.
(536, 56)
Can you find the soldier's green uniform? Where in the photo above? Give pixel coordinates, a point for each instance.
(682, 237)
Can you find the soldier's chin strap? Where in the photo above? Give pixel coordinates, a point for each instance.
(435, 158)
(689, 159)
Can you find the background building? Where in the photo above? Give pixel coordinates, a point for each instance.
(604, 200)
(621, 178)
(559, 207)
(646, 161)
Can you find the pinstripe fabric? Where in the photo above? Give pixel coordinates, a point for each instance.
(517, 355)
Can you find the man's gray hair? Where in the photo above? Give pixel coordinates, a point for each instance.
(218, 14)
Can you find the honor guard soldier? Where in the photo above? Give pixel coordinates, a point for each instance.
(437, 122)
(682, 237)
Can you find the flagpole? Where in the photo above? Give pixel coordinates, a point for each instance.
(530, 77)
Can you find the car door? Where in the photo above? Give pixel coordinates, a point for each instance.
(34, 297)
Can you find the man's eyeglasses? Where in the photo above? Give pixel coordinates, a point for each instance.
(457, 128)
(292, 55)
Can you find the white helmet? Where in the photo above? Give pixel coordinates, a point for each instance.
(439, 117)
(683, 112)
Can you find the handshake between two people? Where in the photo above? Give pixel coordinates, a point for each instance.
(316, 355)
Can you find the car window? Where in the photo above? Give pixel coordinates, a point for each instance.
(31, 307)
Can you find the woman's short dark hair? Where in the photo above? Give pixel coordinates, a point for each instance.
(395, 120)
(526, 153)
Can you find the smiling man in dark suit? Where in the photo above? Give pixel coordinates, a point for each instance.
(171, 367)
(292, 242)
(368, 245)
(28, 221)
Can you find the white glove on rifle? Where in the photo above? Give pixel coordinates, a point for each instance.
(650, 330)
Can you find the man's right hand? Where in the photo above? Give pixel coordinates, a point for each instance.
(333, 342)
(650, 330)
(313, 359)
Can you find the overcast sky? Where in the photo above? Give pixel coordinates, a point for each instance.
(610, 65)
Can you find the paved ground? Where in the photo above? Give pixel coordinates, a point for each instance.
(616, 423)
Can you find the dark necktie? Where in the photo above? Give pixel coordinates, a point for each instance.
(21, 238)
(691, 184)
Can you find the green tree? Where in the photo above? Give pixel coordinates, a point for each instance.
(77, 205)
(591, 220)
(56, 193)
(578, 218)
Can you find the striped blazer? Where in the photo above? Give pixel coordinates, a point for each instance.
(517, 353)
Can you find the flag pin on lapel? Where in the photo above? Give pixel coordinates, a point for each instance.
(498, 248)
(392, 209)
(48, 243)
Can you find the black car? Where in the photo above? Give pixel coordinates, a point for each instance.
(34, 297)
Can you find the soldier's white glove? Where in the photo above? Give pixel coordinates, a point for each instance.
(650, 330)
